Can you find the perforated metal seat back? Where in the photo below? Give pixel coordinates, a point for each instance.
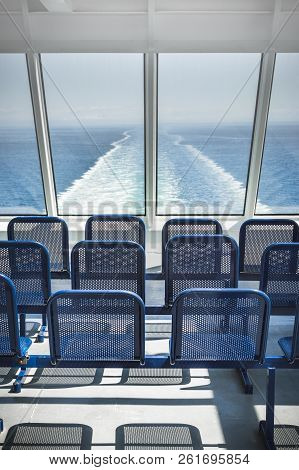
(27, 265)
(280, 274)
(223, 325)
(185, 226)
(115, 228)
(8, 318)
(198, 261)
(109, 266)
(94, 326)
(51, 232)
(257, 234)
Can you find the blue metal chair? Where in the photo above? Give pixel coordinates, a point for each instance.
(200, 261)
(87, 326)
(256, 235)
(52, 232)
(280, 276)
(224, 325)
(115, 228)
(27, 264)
(290, 345)
(115, 265)
(283, 436)
(11, 344)
(184, 226)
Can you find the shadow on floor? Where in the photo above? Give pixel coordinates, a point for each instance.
(286, 437)
(155, 377)
(157, 437)
(45, 436)
(64, 378)
(7, 374)
(32, 328)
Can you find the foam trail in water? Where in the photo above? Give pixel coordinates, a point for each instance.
(100, 184)
(224, 177)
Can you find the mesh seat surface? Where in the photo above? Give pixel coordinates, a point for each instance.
(224, 325)
(197, 261)
(280, 274)
(114, 227)
(5, 326)
(109, 266)
(257, 234)
(96, 326)
(185, 226)
(10, 342)
(27, 265)
(157, 436)
(45, 436)
(286, 437)
(51, 232)
(35, 298)
(5, 344)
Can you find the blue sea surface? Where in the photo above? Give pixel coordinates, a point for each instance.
(75, 150)
(21, 189)
(200, 169)
(280, 171)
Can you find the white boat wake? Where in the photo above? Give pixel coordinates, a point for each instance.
(202, 184)
(111, 183)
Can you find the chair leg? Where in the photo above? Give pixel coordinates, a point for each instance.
(17, 385)
(267, 427)
(22, 324)
(248, 387)
(41, 334)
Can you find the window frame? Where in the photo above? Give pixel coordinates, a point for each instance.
(150, 70)
(253, 127)
(144, 139)
(272, 214)
(34, 117)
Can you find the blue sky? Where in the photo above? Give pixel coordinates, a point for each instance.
(107, 89)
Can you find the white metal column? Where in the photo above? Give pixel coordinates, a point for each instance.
(39, 110)
(261, 116)
(150, 125)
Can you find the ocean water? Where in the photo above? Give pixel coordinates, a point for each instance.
(105, 170)
(200, 170)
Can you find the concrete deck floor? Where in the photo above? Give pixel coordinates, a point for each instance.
(212, 401)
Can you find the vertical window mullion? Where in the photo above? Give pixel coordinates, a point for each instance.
(259, 131)
(39, 110)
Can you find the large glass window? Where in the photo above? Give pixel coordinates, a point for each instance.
(95, 105)
(206, 113)
(278, 189)
(21, 188)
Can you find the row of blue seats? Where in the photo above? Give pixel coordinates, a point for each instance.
(193, 261)
(229, 325)
(255, 235)
(221, 328)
